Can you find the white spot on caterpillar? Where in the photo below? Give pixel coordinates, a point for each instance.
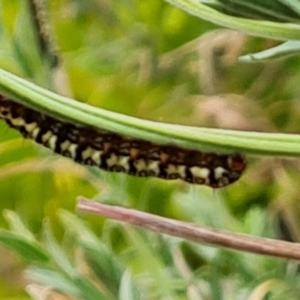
(112, 160)
(181, 171)
(87, 153)
(35, 133)
(72, 150)
(123, 162)
(153, 167)
(18, 122)
(46, 136)
(64, 146)
(52, 142)
(176, 171)
(140, 165)
(30, 127)
(172, 171)
(219, 172)
(200, 172)
(96, 157)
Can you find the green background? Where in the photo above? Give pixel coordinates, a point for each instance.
(149, 60)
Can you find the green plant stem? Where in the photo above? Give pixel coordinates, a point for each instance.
(279, 31)
(205, 139)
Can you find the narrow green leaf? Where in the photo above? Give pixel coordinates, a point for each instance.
(17, 226)
(75, 225)
(281, 51)
(54, 280)
(128, 289)
(101, 259)
(280, 31)
(89, 292)
(292, 4)
(258, 10)
(57, 254)
(105, 266)
(27, 250)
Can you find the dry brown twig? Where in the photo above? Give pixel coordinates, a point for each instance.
(198, 234)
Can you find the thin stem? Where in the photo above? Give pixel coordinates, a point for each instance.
(198, 234)
(203, 139)
(43, 32)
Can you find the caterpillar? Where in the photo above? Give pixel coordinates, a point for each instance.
(116, 153)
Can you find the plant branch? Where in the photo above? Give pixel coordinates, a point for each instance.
(202, 139)
(198, 234)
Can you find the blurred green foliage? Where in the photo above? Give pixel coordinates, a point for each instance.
(153, 61)
(279, 11)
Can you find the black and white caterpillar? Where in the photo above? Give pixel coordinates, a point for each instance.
(113, 152)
